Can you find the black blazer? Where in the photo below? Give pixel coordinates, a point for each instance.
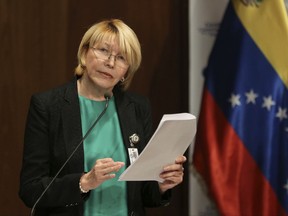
(53, 130)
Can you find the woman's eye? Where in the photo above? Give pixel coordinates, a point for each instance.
(120, 58)
(104, 50)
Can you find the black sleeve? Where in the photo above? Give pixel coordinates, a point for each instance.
(152, 196)
(36, 165)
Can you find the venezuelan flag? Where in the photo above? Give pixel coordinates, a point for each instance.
(241, 148)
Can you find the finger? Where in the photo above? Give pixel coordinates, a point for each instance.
(103, 175)
(180, 159)
(174, 167)
(104, 160)
(100, 166)
(173, 181)
(165, 175)
(113, 167)
(108, 176)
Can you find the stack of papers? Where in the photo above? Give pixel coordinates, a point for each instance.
(173, 136)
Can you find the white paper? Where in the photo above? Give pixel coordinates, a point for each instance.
(173, 136)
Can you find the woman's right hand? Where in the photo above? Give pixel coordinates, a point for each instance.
(104, 169)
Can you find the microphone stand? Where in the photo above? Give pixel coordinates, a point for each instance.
(107, 98)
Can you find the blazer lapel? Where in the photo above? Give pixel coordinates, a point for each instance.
(127, 116)
(72, 127)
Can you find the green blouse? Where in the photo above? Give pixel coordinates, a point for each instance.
(104, 141)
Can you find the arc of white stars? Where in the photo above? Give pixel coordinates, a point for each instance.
(235, 100)
(251, 97)
(268, 102)
(282, 113)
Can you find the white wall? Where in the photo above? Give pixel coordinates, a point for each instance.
(204, 19)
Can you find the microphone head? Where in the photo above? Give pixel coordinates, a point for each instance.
(107, 96)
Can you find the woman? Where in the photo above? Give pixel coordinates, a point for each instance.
(108, 57)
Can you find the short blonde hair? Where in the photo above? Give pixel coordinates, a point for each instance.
(128, 43)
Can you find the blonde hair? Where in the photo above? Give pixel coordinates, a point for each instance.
(128, 43)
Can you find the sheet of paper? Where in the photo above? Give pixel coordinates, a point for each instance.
(173, 136)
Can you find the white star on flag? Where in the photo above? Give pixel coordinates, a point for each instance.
(235, 100)
(268, 102)
(251, 97)
(286, 186)
(281, 114)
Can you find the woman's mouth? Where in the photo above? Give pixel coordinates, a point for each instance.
(106, 75)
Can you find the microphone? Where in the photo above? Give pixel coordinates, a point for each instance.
(107, 98)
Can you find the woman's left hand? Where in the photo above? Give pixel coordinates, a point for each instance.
(172, 174)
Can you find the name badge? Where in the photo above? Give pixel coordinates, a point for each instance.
(133, 154)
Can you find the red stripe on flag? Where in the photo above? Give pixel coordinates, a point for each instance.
(231, 174)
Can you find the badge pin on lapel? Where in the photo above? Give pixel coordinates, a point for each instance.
(133, 152)
(134, 139)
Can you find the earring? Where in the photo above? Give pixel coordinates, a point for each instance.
(122, 79)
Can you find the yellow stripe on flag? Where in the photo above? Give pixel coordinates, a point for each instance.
(267, 24)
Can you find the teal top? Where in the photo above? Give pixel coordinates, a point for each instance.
(104, 141)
